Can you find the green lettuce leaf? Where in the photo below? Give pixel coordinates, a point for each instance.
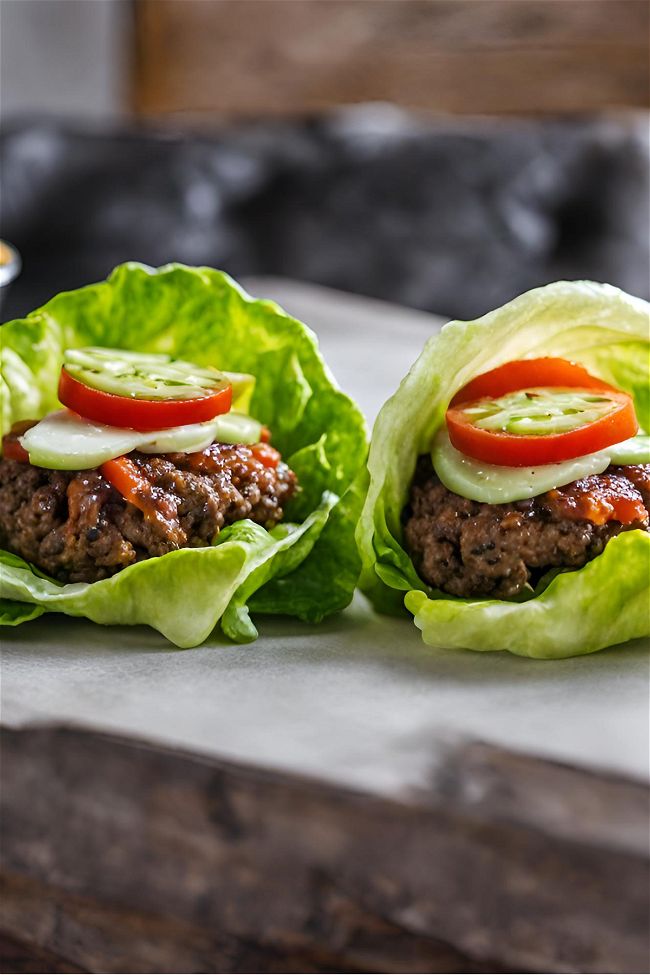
(580, 611)
(307, 566)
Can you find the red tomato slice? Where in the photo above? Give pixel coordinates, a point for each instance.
(517, 450)
(527, 373)
(139, 414)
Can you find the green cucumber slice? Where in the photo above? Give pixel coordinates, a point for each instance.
(636, 450)
(63, 441)
(540, 412)
(182, 440)
(494, 484)
(126, 373)
(243, 386)
(237, 428)
(227, 428)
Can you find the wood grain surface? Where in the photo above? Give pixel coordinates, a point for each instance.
(266, 57)
(121, 857)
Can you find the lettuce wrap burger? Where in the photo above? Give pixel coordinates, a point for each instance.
(509, 479)
(174, 453)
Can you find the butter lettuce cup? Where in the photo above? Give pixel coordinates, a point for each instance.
(508, 479)
(175, 453)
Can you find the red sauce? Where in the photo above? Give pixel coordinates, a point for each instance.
(161, 504)
(12, 449)
(212, 459)
(607, 497)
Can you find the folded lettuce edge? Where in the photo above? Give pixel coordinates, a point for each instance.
(579, 612)
(198, 585)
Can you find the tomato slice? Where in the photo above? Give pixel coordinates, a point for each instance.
(528, 373)
(140, 414)
(538, 411)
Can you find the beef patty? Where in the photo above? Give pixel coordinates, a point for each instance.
(76, 527)
(468, 548)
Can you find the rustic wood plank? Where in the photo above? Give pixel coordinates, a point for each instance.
(17, 956)
(121, 857)
(466, 56)
(115, 939)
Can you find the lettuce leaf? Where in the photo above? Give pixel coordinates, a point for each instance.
(605, 602)
(307, 566)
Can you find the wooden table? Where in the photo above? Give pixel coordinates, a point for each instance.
(338, 799)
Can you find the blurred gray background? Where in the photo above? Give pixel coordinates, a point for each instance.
(442, 155)
(65, 57)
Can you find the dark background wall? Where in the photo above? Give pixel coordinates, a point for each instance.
(336, 142)
(451, 218)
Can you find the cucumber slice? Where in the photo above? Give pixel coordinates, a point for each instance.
(227, 428)
(63, 441)
(543, 411)
(184, 439)
(636, 450)
(243, 386)
(237, 428)
(126, 373)
(494, 484)
(91, 354)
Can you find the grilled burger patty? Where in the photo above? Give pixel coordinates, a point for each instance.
(468, 548)
(76, 527)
